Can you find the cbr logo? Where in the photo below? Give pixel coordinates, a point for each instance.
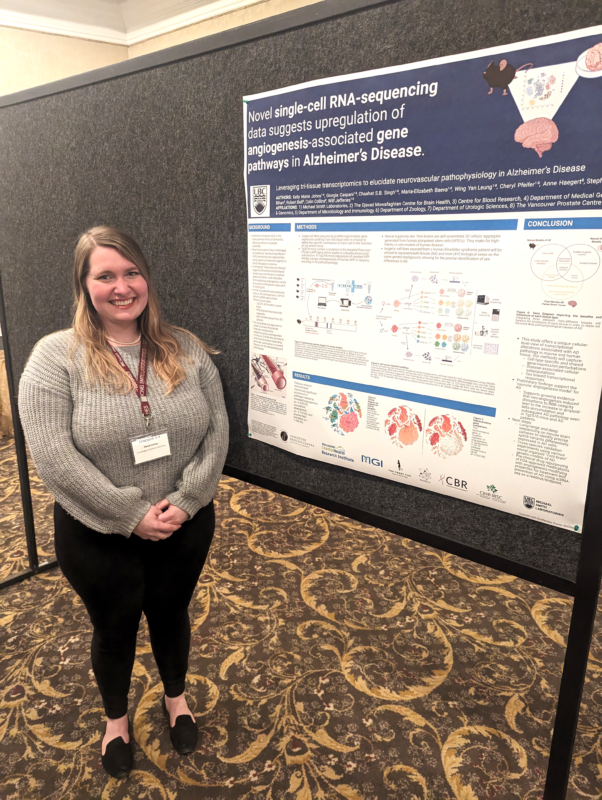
(455, 483)
(376, 462)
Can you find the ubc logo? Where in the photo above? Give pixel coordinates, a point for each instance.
(260, 201)
(376, 462)
(454, 483)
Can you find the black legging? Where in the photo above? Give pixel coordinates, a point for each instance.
(119, 578)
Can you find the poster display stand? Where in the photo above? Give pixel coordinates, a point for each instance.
(474, 103)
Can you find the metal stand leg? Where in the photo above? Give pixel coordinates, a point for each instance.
(583, 617)
(571, 685)
(30, 533)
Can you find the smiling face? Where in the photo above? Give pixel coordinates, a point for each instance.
(118, 291)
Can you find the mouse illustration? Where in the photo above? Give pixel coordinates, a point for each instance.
(499, 76)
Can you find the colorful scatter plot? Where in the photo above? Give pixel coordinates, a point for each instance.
(344, 412)
(445, 436)
(403, 426)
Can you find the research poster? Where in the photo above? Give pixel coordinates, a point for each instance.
(425, 287)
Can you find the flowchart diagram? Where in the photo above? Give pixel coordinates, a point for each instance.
(433, 316)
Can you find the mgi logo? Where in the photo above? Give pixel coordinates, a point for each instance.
(376, 462)
(529, 502)
(454, 483)
(260, 201)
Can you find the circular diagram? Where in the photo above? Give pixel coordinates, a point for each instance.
(446, 436)
(563, 270)
(403, 426)
(344, 412)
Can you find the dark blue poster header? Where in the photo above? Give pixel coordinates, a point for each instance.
(505, 131)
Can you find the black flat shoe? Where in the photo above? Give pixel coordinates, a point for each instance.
(184, 734)
(118, 759)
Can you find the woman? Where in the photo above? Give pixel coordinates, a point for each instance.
(125, 419)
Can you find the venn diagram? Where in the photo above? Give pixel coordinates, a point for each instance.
(562, 270)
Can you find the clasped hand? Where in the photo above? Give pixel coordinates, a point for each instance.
(160, 521)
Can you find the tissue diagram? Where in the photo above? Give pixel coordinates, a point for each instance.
(403, 426)
(446, 436)
(343, 413)
(267, 373)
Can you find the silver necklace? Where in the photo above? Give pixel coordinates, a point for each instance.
(124, 343)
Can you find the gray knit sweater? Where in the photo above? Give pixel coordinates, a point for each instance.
(78, 435)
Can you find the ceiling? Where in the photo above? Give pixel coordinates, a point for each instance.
(123, 22)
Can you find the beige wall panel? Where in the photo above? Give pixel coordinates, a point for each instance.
(29, 58)
(260, 10)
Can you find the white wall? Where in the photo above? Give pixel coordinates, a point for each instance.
(30, 58)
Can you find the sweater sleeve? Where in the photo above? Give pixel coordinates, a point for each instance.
(200, 478)
(45, 408)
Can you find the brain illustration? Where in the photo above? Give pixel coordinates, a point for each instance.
(539, 133)
(344, 412)
(403, 426)
(445, 435)
(593, 59)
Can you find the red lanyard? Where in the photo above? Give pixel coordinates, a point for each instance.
(140, 383)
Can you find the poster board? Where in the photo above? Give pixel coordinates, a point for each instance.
(425, 244)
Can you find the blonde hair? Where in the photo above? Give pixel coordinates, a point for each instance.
(164, 350)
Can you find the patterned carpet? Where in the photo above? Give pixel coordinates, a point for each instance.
(330, 660)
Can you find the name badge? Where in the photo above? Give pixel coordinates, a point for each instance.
(150, 446)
